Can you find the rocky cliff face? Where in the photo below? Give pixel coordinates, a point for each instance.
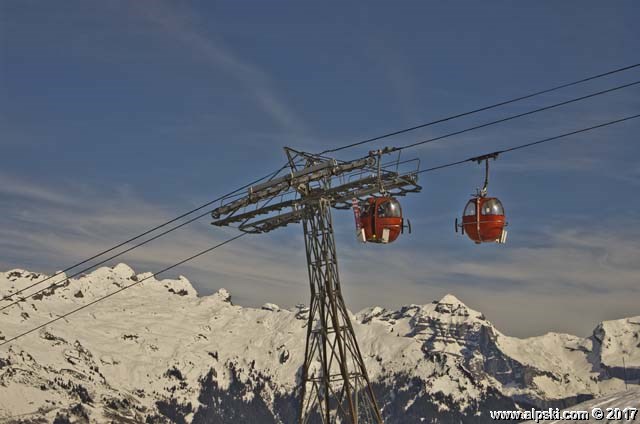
(160, 353)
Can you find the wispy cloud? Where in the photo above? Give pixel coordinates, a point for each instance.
(11, 186)
(180, 25)
(51, 227)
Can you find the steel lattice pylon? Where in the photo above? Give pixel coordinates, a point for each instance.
(334, 385)
(334, 378)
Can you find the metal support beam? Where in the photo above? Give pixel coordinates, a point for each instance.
(335, 386)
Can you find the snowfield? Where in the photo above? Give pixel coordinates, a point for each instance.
(620, 400)
(158, 352)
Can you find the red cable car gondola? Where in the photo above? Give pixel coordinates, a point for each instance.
(379, 220)
(483, 218)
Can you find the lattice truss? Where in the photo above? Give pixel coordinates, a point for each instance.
(311, 178)
(334, 385)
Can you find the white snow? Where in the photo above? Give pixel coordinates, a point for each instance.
(621, 400)
(159, 338)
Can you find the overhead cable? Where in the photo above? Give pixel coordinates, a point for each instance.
(93, 302)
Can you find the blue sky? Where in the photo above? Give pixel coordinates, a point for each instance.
(115, 116)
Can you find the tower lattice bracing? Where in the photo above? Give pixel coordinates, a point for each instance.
(335, 387)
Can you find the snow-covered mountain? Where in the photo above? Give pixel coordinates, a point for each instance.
(160, 353)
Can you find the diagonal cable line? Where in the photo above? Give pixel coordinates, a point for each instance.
(535, 143)
(482, 109)
(519, 115)
(151, 230)
(57, 284)
(531, 144)
(122, 289)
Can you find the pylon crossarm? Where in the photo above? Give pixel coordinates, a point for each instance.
(252, 214)
(399, 186)
(339, 197)
(295, 179)
(269, 224)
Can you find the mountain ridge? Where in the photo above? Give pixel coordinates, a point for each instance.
(162, 353)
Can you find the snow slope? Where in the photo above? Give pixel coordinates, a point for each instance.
(620, 400)
(158, 352)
